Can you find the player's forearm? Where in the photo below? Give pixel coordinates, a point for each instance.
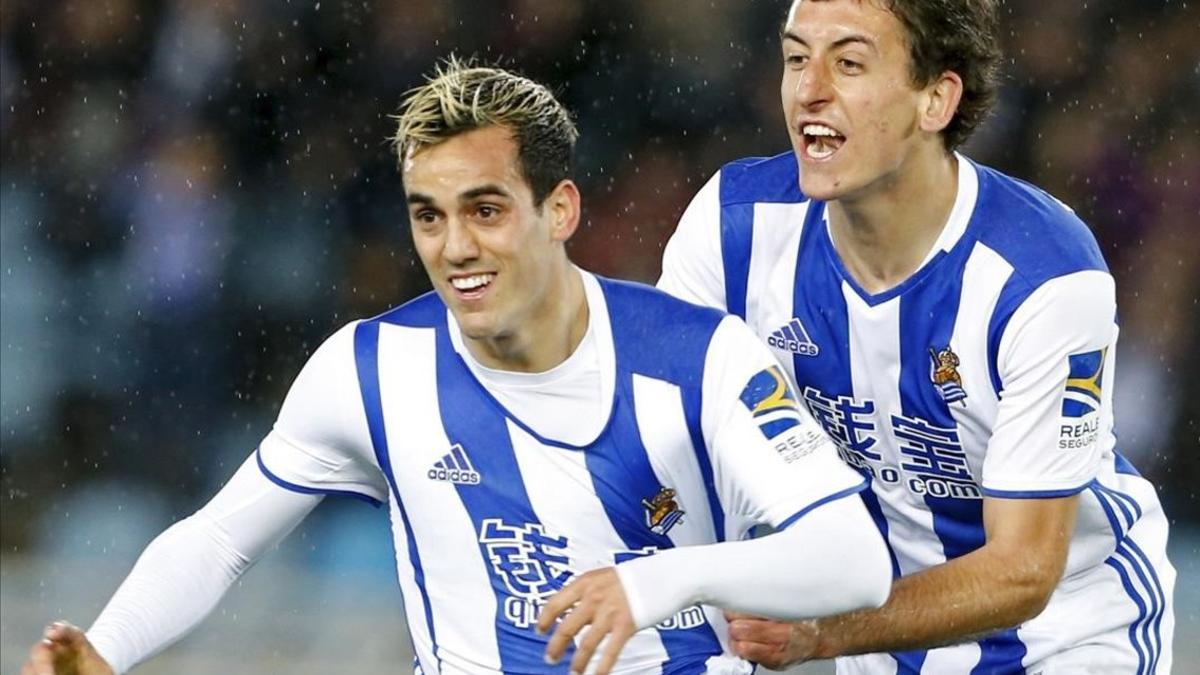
(831, 560)
(955, 602)
(186, 570)
(176, 582)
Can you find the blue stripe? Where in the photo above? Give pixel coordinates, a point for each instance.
(1014, 292)
(1000, 653)
(1123, 465)
(293, 487)
(871, 501)
(910, 663)
(473, 421)
(664, 338)
(822, 501)
(1143, 622)
(927, 316)
(928, 312)
(818, 302)
(1123, 498)
(1034, 494)
(1129, 551)
(1127, 518)
(366, 360)
(1160, 601)
(622, 477)
(692, 405)
(1129, 590)
(737, 234)
(1146, 572)
(1117, 527)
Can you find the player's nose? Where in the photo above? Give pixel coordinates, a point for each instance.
(813, 86)
(460, 245)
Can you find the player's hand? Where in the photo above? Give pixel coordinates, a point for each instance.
(595, 599)
(773, 644)
(64, 650)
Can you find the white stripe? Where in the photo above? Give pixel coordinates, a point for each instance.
(875, 375)
(456, 577)
(774, 248)
(658, 406)
(867, 664)
(984, 276)
(949, 660)
(563, 497)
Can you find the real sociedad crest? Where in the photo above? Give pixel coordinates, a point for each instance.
(662, 512)
(943, 371)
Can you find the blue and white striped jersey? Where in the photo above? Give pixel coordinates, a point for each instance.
(491, 516)
(986, 373)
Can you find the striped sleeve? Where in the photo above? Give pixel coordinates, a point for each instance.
(320, 443)
(1054, 363)
(772, 463)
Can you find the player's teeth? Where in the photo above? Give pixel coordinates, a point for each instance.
(818, 130)
(471, 283)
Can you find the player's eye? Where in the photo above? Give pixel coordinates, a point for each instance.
(425, 217)
(850, 66)
(795, 60)
(487, 211)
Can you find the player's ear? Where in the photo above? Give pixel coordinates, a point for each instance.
(939, 102)
(563, 205)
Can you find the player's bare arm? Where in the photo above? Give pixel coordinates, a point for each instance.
(1000, 585)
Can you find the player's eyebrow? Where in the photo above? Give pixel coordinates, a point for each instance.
(484, 190)
(853, 38)
(418, 198)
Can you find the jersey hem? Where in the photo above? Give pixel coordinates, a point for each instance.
(821, 502)
(1034, 494)
(303, 489)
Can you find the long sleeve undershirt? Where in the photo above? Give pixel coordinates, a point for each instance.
(830, 560)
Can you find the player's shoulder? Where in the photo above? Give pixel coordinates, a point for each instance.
(761, 180)
(657, 334)
(1035, 233)
(424, 311)
(631, 302)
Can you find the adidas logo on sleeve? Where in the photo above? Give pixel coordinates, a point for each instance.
(455, 468)
(792, 337)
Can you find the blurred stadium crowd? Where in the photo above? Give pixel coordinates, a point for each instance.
(196, 192)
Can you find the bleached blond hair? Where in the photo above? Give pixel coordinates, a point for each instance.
(460, 96)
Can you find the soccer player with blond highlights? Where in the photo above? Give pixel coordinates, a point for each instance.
(571, 463)
(953, 329)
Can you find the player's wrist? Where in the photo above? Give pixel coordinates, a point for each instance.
(825, 643)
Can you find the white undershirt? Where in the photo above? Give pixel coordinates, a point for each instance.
(570, 402)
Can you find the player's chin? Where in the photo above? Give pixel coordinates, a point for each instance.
(821, 185)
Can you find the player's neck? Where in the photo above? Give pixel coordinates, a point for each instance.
(548, 337)
(883, 236)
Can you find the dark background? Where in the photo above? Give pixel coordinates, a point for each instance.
(194, 193)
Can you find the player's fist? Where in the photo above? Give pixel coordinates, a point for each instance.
(64, 650)
(773, 644)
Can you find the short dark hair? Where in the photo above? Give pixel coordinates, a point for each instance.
(461, 96)
(957, 35)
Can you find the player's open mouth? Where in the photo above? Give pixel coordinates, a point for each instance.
(473, 286)
(820, 141)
